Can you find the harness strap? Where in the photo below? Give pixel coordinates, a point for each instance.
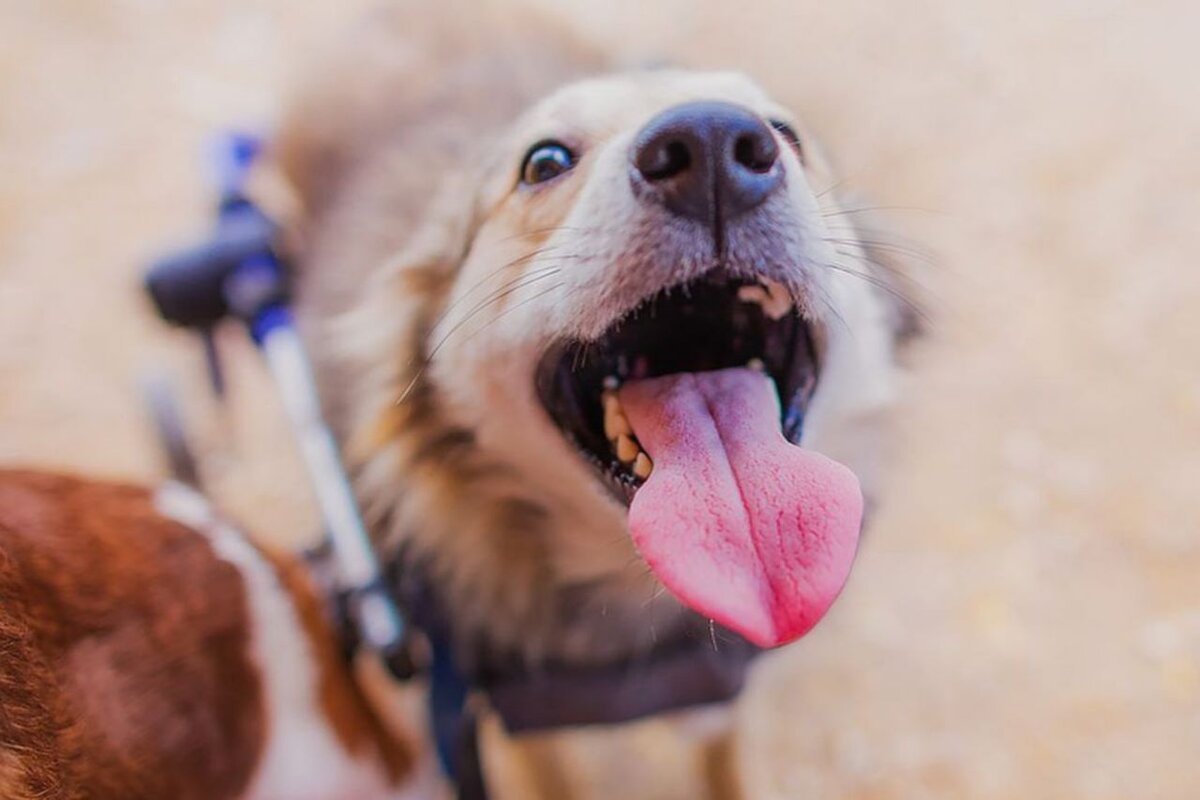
(689, 675)
(471, 782)
(699, 666)
(455, 724)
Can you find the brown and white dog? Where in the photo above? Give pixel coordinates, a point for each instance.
(149, 650)
(528, 286)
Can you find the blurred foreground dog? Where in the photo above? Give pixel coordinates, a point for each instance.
(573, 324)
(148, 650)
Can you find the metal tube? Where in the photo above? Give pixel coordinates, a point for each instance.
(379, 622)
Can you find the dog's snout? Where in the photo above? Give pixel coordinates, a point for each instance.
(708, 161)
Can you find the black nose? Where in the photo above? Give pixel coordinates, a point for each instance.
(708, 161)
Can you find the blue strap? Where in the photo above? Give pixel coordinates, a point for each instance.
(455, 728)
(447, 704)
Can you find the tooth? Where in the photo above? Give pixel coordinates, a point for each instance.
(775, 300)
(752, 294)
(612, 382)
(627, 449)
(779, 301)
(642, 466)
(756, 364)
(615, 422)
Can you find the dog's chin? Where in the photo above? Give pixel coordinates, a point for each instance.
(714, 323)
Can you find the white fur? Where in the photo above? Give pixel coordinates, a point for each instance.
(302, 757)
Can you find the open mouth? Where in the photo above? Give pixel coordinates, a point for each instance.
(691, 409)
(710, 324)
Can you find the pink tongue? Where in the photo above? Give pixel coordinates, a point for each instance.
(738, 523)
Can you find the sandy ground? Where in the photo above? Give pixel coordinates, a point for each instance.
(1025, 617)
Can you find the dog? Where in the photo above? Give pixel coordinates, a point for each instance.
(564, 313)
(148, 649)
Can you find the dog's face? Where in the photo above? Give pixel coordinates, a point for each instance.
(649, 302)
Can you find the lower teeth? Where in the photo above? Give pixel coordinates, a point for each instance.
(642, 466)
(617, 429)
(620, 434)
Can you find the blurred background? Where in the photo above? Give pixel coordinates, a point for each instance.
(1024, 620)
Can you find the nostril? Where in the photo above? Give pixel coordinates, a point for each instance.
(706, 161)
(755, 152)
(666, 160)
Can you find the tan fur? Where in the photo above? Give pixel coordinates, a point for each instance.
(453, 457)
(407, 173)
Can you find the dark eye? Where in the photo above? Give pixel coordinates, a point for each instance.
(546, 160)
(789, 135)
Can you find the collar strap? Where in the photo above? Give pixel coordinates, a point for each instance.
(685, 670)
(694, 673)
(690, 674)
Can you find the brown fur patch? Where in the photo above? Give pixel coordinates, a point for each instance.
(123, 650)
(358, 728)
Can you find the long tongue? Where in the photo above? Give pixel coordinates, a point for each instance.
(738, 523)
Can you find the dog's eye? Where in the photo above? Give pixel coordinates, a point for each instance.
(789, 135)
(546, 160)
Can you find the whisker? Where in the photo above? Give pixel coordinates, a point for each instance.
(892, 247)
(493, 273)
(832, 187)
(871, 233)
(881, 284)
(523, 281)
(514, 285)
(547, 230)
(827, 301)
(509, 310)
(839, 212)
(657, 593)
(504, 288)
(876, 241)
(897, 274)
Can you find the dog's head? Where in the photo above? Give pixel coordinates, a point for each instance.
(635, 306)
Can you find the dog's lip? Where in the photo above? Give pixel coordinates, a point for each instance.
(716, 322)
